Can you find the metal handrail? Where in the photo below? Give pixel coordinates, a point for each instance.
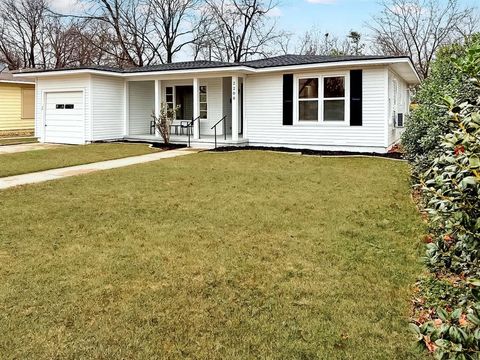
(224, 128)
(190, 126)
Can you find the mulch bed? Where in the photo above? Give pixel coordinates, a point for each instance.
(390, 155)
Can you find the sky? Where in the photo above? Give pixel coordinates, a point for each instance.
(337, 17)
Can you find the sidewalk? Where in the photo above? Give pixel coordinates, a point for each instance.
(54, 174)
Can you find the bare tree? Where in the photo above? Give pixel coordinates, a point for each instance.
(129, 24)
(177, 23)
(243, 28)
(317, 42)
(20, 27)
(418, 29)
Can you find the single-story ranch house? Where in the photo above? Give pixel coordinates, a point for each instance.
(349, 103)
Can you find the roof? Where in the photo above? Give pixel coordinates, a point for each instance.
(7, 77)
(288, 60)
(258, 65)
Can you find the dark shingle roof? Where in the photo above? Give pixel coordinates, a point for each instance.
(277, 61)
(288, 60)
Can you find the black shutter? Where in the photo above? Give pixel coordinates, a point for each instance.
(288, 99)
(356, 90)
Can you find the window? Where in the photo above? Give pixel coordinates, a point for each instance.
(308, 99)
(169, 97)
(334, 98)
(203, 102)
(65, 106)
(28, 103)
(322, 99)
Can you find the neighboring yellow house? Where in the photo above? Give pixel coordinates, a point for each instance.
(17, 103)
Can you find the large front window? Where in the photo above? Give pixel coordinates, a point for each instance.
(322, 99)
(308, 99)
(334, 98)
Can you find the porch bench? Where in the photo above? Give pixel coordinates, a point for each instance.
(183, 124)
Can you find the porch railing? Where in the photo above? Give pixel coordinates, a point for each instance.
(214, 127)
(190, 126)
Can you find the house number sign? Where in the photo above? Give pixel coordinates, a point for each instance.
(234, 89)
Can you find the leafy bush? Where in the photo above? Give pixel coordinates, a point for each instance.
(428, 121)
(450, 190)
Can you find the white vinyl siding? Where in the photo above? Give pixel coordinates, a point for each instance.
(214, 104)
(141, 106)
(56, 84)
(108, 107)
(263, 111)
(398, 105)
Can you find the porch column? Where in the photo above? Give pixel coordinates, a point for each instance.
(158, 101)
(234, 108)
(196, 108)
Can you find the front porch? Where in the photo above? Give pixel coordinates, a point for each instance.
(206, 141)
(215, 104)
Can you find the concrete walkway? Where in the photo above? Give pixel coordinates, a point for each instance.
(11, 149)
(54, 174)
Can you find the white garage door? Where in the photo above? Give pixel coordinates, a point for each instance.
(65, 117)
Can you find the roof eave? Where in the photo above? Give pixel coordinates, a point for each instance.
(414, 79)
(17, 82)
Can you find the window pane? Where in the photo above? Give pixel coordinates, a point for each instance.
(203, 98)
(308, 110)
(203, 106)
(169, 90)
(308, 88)
(203, 89)
(334, 87)
(203, 114)
(334, 110)
(169, 98)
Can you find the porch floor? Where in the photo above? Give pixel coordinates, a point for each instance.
(204, 141)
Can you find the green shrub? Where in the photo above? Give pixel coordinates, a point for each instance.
(428, 121)
(450, 190)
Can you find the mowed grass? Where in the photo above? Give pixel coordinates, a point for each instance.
(242, 255)
(38, 160)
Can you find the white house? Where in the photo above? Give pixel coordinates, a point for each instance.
(352, 103)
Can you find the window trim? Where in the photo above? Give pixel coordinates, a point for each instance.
(321, 122)
(173, 102)
(203, 102)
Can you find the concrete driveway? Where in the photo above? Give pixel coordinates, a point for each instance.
(11, 149)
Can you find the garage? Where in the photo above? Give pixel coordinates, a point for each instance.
(65, 117)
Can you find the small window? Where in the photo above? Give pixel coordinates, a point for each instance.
(334, 98)
(308, 99)
(203, 102)
(69, 106)
(169, 97)
(60, 106)
(28, 103)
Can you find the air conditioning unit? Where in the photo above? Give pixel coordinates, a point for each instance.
(399, 121)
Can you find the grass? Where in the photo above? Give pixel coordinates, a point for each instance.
(212, 256)
(38, 160)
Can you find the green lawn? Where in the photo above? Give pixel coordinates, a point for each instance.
(38, 160)
(247, 255)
